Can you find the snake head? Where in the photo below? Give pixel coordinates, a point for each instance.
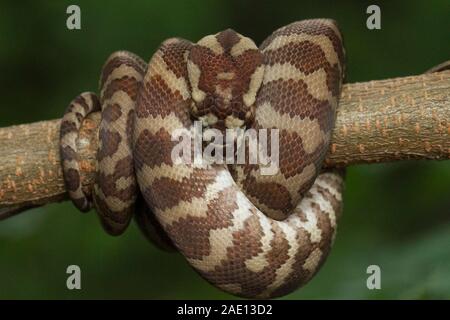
(225, 72)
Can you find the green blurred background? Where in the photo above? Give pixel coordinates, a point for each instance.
(396, 215)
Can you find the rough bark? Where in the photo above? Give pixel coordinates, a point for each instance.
(378, 121)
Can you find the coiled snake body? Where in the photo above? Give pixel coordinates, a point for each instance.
(249, 234)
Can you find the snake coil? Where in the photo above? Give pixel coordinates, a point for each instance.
(250, 234)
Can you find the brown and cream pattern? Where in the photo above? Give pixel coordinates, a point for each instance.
(248, 234)
(115, 189)
(77, 111)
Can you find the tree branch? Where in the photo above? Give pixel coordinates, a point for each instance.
(378, 121)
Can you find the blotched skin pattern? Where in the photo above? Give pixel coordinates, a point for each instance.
(115, 189)
(78, 109)
(252, 235)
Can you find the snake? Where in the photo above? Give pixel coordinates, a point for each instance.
(250, 234)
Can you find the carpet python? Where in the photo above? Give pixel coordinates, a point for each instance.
(252, 235)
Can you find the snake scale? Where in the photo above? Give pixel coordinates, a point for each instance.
(252, 235)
